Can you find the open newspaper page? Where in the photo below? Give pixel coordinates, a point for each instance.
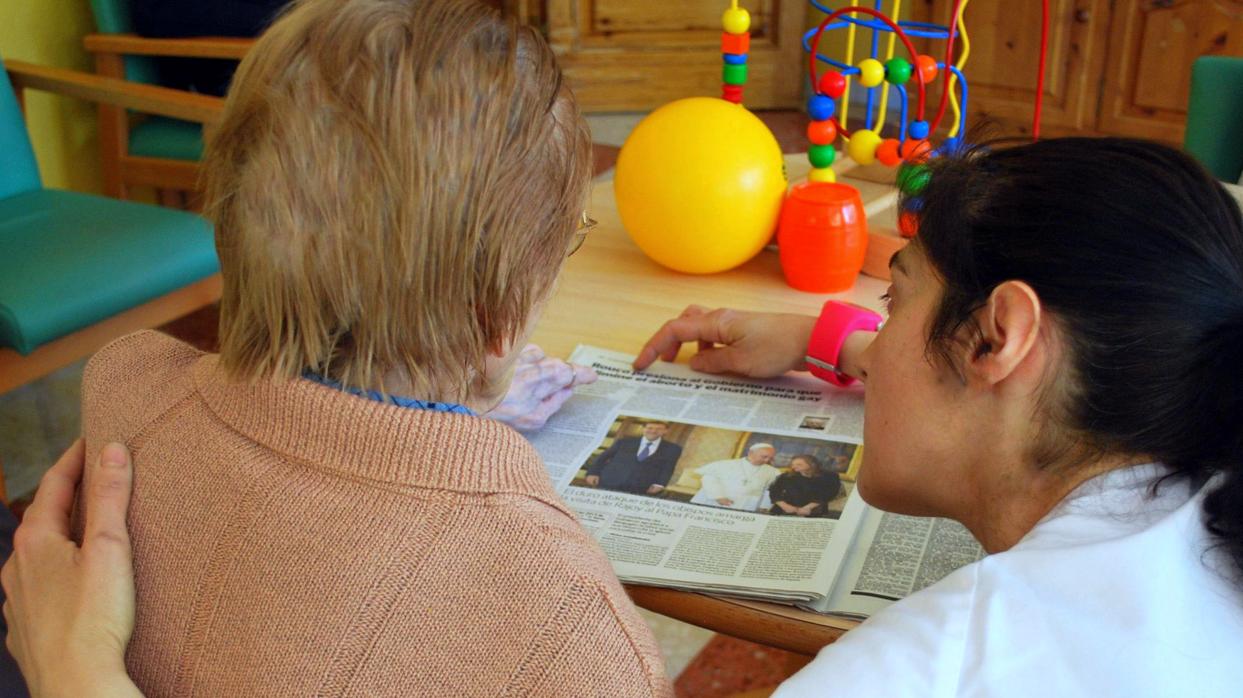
(710, 483)
(893, 556)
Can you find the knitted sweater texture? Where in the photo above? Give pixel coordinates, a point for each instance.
(295, 540)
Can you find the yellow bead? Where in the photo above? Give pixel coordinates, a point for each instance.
(821, 174)
(871, 72)
(862, 146)
(736, 20)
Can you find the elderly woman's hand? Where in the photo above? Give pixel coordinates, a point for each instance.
(541, 385)
(70, 609)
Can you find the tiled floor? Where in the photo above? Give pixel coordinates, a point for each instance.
(37, 422)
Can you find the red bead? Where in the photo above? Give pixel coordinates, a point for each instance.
(914, 151)
(908, 224)
(732, 93)
(887, 153)
(735, 43)
(927, 67)
(822, 132)
(832, 83)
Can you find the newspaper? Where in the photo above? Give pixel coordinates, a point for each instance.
(737, 487)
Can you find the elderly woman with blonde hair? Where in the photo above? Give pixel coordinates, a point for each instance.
(320, 509)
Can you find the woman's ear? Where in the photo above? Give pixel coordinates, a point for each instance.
(1009, 325)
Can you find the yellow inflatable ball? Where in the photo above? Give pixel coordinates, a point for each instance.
(699, 185)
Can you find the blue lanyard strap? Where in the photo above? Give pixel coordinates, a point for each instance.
(391, 399)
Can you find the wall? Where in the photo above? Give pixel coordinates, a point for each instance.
(49, 32)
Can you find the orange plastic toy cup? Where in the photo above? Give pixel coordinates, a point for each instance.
(822, 236)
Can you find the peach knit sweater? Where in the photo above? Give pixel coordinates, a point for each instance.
(294, 540)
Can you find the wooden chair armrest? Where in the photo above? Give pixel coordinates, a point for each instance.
(148, 99)
(196, 47)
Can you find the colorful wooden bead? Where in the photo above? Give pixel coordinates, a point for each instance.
(912, 178)
(871, 72)
(832, 83)
(908, 224)
(732, 93)
(897, 71)
(887, 152)
(821, 155)
(737, 44)
(734, 74)
(736, 20)
(735, 58)
(927, 67)
(822, 174)
(822, 132)
(914, 151)
(919, 130)
(862, 146)
(820, 108)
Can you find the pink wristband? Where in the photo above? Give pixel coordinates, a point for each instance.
(837, 321)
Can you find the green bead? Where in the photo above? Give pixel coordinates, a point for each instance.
(821, 155)
(913, 178)
(897, 71)
(734, 74)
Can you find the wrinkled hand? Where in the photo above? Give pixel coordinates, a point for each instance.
(70, 610)
(760, 345)
(541, 385)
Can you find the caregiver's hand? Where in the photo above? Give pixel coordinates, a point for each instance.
(760, 345)
(70, 610)
(541, 385)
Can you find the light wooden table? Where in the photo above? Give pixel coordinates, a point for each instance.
(613, 296)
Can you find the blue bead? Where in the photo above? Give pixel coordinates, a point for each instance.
(735, 58)
(821, 108)
(950, 146)
(919, 130)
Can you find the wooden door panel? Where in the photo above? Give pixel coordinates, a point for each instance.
(1154, 43)
(1005, 52)
(625, 55)
(701, 17)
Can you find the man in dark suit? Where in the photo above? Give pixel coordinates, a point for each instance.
(641, 466)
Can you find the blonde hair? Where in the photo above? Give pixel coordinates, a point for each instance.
(394, 184)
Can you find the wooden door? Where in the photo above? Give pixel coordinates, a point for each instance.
(626, 55)
(1005, 53)
(1148, 74)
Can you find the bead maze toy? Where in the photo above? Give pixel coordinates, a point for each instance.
(662, 152)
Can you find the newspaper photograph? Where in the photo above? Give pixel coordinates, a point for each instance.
(737, 487)
(708, 483)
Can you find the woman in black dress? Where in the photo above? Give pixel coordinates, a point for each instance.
(805, 490)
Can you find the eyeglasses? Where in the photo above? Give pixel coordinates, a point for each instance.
(585, 224)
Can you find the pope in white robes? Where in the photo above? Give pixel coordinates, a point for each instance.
(737, 483)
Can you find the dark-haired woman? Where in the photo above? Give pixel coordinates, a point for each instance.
(1061, 371)
(805, 490)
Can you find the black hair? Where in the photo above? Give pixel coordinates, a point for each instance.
(1137, 252)
(813, 461)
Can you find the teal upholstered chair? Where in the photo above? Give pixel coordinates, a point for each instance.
(1215, 116)
(77, 270)
(143, 149)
